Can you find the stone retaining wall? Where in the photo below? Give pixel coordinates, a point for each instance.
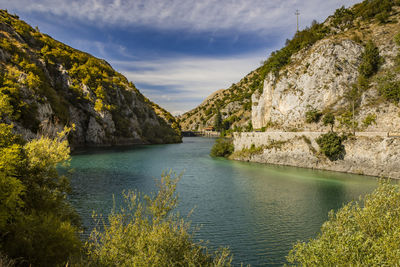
(367, 153)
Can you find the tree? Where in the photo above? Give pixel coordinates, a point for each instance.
(370, 60)
(218, 121)
(146, 232)
(362, 233)
(329, 119)
(353, 96)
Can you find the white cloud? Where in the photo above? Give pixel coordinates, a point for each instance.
(180, 83)
(184, 81)
(240, 15)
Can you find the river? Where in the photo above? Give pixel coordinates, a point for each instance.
(257, 210)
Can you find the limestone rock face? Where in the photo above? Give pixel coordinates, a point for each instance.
(317, 79)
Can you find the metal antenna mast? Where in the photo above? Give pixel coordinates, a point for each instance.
(297, 13)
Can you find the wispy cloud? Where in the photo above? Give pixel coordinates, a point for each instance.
(182, 82)
(178, 82)
(240, 15)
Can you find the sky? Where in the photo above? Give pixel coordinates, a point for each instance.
(176, 52)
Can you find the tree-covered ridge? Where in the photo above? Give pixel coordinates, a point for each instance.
(233, 103)
(38, 69)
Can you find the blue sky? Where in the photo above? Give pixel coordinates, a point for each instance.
(177, 52)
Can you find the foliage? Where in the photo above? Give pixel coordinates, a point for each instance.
(256, 150)
(329, 119)
(6, 262)
(301, 39)
(331, 146)
(374, 8)
(146, 232)
(362, 233)
(222, 148)
(366, 10)
(218, 121)
(35, 70)
(37, 224)
(389, 88)
(369, 120)
(371, 60)
(249, 127)
(389, 85)
(346, 120)
(313, 115)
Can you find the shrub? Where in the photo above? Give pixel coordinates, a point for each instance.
(37, 224)
(389, 88)
(146, 232)
(222, 148)
(362, 233)
(331, 146)
(249, 127)
(346, 121)
(369, 119)
(329, 119)
(370, 60)
(313, 116)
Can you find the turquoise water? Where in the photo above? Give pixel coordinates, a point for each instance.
(257, 210)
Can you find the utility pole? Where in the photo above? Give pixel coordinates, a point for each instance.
(297, 13)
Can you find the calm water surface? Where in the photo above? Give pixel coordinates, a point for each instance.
(257, 210)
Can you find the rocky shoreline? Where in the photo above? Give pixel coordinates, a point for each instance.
(373, 154)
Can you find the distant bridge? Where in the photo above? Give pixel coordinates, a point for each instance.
(200, 133)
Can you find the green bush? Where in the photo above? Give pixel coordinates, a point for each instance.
(222, 148)
(346, 121)
(146, 232)
(389, 88)
(329, 119)
(374, 8)
(371, 60)
(362, 233)
(313, 116)
(37, 224)
(369, 120)
(331, 146)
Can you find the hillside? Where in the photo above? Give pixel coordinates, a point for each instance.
(46, 85)
(234, 105)
(346, 66)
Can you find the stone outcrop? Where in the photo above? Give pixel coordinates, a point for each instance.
(317, 79)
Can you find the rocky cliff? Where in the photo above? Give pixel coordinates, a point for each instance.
(46, 85)
(318, 71)
(321, 77)
(350, 75)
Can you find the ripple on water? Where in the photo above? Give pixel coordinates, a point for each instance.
(257, 210)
